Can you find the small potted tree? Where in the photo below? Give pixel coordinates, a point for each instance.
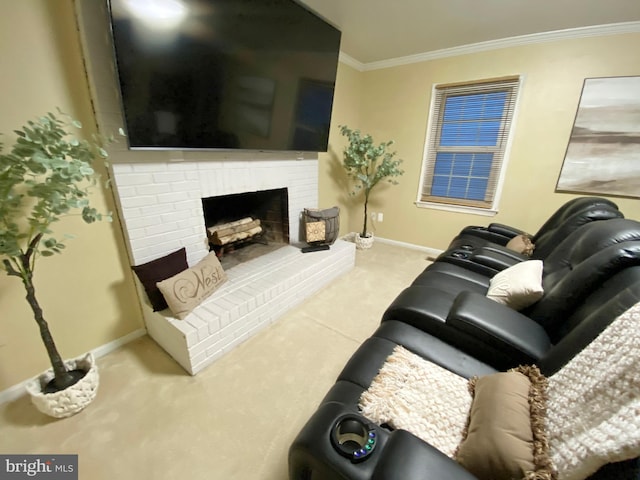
(48, 174)
(368, 164)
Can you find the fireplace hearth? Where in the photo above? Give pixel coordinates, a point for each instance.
(162, 208)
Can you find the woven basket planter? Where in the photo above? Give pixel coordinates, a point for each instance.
(71, 400)
(364, 243)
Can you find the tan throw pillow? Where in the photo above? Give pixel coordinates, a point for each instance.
(517, 286)
(186, 290)
(521, 244)
(499, 441)
(505, 436)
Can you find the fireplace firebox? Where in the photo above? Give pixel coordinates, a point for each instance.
(249, 219)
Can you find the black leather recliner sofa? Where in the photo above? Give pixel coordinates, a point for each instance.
(485, 251)
(449, 301)
(566, 219)
(444, 316)
(399, 454)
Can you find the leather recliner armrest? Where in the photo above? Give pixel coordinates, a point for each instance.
(312, 455)
(485, 234)
(405, 457)
(497, 258)
(499, 327)
(505, 230)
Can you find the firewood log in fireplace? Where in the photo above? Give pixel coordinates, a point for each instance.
(235, 231)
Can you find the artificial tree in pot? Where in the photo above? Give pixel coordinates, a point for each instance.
(368, 164)
(47, 175)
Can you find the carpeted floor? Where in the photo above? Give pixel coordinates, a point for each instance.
(237, 418)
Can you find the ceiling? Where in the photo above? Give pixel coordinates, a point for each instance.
(379, 30)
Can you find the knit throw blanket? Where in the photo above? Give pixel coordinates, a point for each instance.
(593, 409)
(593, 406)
(412, 394)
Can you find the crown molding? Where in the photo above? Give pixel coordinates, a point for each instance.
(352, 62)
(544, 37)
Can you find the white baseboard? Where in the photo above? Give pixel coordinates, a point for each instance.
(431, 252)
(118, 342)
(15, 392)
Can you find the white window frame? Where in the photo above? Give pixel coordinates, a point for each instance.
(493, 210)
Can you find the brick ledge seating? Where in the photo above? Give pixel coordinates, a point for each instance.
(256, 293)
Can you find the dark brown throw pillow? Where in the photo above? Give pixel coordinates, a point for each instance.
(505, 437)
(155, 271)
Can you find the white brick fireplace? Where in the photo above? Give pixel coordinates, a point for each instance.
(159, 198)
(161, 202)
(161, 210)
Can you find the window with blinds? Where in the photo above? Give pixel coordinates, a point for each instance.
(466, 142)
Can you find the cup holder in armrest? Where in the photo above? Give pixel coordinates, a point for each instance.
(459, 254)
(353, 437)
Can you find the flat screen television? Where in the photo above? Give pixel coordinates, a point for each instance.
(224, 74)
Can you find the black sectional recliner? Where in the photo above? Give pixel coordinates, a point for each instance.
(449, 301)
(566, 219)
(484, 249)
(444, 316)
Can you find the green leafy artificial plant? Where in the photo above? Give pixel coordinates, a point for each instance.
(47, 174)
(368, 164)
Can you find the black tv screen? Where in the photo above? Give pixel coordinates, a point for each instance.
(224, 74)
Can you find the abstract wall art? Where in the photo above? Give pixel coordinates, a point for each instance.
(603, 154)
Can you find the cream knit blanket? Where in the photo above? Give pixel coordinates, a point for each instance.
(593, 409)
(593, 414)
(412, 394)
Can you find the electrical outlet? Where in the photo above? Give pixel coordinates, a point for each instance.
(380, 216)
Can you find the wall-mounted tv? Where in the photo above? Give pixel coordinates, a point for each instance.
(224, 74)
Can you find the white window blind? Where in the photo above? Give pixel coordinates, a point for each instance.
(467, 140)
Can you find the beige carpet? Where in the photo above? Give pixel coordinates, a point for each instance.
(237, 418)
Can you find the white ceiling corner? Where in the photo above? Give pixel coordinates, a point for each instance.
(379, 33)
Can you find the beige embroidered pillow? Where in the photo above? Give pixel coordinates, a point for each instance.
(316, 231)
(186, 290)
(517, 286)
(521, 244)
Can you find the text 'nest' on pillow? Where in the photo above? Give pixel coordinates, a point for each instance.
(186, 290)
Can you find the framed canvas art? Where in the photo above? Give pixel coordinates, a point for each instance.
(603, 154)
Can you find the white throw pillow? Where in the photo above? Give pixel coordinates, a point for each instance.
(518, 286)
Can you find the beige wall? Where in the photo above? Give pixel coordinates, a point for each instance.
(395, 103)
(87, 293)
(333, 183)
